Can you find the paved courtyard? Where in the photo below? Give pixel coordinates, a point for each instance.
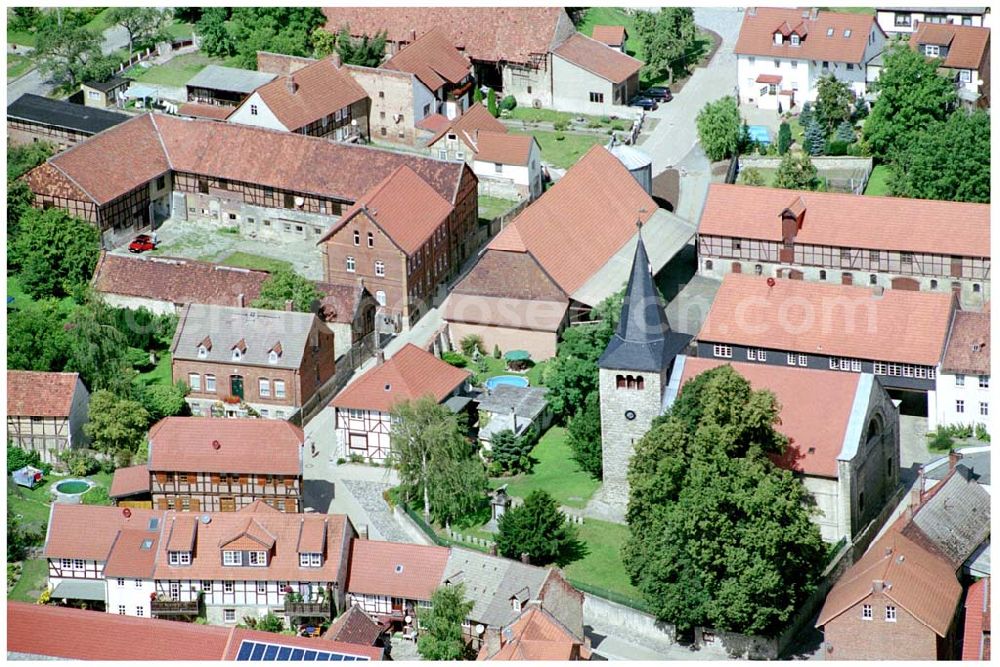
(208, 243)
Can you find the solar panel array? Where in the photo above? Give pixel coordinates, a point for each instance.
(250, 650)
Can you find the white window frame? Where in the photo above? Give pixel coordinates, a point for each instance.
(257, 558)
(279, 388)
(855, 365)
(960, 379)
(803, 360)
(121, 610)
(890, 613)
(380, 268)
(984, 381)
(202, 352)
(261, 588)
(80, 564)
(984, 409)
(351, 264)
(272, 357)
(795, 42)
(867, 613)
(264, 387)
(879, 368)
(790, 358)
(139, 611)
(232, 558)
(253, 109)
(960, 406)
(932, 50)
(210, 384)
(121, 582)
(965, 75)
(237, 355)
(194, 381)
(228, 587)
(722, 351)
(229, 615)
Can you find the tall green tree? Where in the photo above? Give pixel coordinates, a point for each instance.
(286, 30)
(667, 35)
(947, 160)
(324, 42)
(213, 29)
(57, 252)
(833, 102)
(796, 172)
(584, 436)
(97, 350)
(751, 176)
(845, 132)
(365, 50)
(36, 340)
(164, 400)
(22, 159)
(510, 452)
(286, 285)
(491, 103)
(539, 529)
(65, 51)
(911, 96)
(719, 128)
(116, 426)
(441, 638)
(437, 465)
(814, 139)
(784, 137)
(720, 536)
(141, 23)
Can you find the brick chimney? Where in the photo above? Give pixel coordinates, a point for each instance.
(379, 357)
(335, 58)
(877, 586)
(953, 459)
(241, 300)
(525, 558)
(491, 640)
(289, 305)
(814, 13)
(292, 86)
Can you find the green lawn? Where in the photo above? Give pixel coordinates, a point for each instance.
(22, 298)
(245, 260)
(175, 72)
(99, 23)
(531, 115)
(878, 182)
(22, 38)
(555, 472)
(493, 207)
(180, 30)
(18, 65)
(161, 374)
(33, 504)
(31, 582)
(851, 10)
(602, 567)
(563, 149)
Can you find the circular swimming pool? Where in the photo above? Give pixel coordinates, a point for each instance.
(72, 486)
(514, 380)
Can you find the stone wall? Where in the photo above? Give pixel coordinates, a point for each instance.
(604, 615)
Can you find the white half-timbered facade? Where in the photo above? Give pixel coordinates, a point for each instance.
(363, 433)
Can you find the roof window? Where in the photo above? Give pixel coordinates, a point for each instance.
(847, 32)
(829, 32)
(146, 545)
(399, 568)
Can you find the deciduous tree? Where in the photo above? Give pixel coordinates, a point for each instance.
(36, 340)
(116, 426)
(584, 436)
(667, 35)
(751, 176)
(97, 350)
(796, 172)
(65, 51)
(719, 128)
(286, 285)
(56, 252)
(441, 638)
(720, 536)
(141, 23)
(833, 102)
(539, 529)
(213, 29)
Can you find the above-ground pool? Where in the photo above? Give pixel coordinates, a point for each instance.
(515, 380)
(72, 486)
(760, 134)
(71, 490)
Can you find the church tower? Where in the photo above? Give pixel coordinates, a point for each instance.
(634, 372)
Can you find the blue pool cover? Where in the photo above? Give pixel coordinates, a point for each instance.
(760, 134)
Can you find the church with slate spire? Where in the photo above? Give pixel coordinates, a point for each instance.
(634, 373)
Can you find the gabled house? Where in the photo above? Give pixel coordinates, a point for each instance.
(46, 412)
(891, 242)
(222, 465)
(976, 629)
(561, 256)
(32, 118)
(442, 68)
(535, 635)
(237, 359)
(962, 389)
(964, 52)
(614, 36)
(781, 54)
(591, 77)
(400, 238)
(362, 408)
(905, 20)
(507, 407)
(831, 327)
(354, 626)
(843, 432)
(104, 94)
(224, 87)
(318, 100)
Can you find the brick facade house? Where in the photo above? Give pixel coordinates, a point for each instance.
(236, 358)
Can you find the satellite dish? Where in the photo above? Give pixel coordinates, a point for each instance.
(480, 629)
(216, 444)
(206, 519)
(408, 619)
(126, 512)
(770, 282)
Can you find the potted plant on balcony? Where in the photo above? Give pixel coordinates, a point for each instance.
(231, 399)
(293, 597)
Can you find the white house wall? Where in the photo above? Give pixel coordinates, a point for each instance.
(364, 434)
(887, 19)
(264, 118)
(529, 84)
(155, 306)
(944, 411)
(132, 594)
(571, 88)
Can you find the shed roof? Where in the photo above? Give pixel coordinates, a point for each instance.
(968, 349)
(229, 79)
(955, 516)
(62, 114)
(612, 35)
(527, 402)
(130, 481)
(598, 58)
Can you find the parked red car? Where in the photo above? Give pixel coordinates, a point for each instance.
(141, 243)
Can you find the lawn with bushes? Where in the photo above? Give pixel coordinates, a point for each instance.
(878, 182)
(601, 570)
(494, 207)
(563, 149)
(176, 71)
(159, 374)
(555, 471)
(246, 260)
(31, 582)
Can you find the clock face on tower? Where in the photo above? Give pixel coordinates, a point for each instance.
(630, 415)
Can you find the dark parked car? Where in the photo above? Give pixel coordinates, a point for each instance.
(644, 103)
(661, 93)
(141, 243)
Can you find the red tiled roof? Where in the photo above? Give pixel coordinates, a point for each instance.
(89, 531)
(130, 481)
(354, 626)
(504, 148)
(182, 533)
(769, 78)
(245, 446)
(133, 554)
(210, 111)
(320, 89)
(397, 569)
(835, 320)
(176, 280)
(433, 59)
(757, 34)
(505, 274)
(340, 301)
(976, 644)
(491, 34)
(535, 635)
(404, 206)
(967, 45)
(434, 123)
(815, 409)
(76, 634)
(102, 165)
(923, 583)
(849, 221)
(40, 394)
(476, 119)
(968, 349)
(598, 58)
(612, 35)
(250, 530)
(407, 375)
(581, 221)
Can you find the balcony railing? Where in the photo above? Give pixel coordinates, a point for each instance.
(174, 608)
(309, 609)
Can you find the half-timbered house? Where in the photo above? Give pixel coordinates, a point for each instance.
(222, 465)
(891, 242)
(46, 412)
(363, 408)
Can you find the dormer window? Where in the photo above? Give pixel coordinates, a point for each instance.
(272, 357)
(932, 50)
(777, 39)
(202, 352)
(237, 355)
(310, 560)
(257, 558)
(233, 558)
(515, 604)
(179, 558)
(795, 40)
(239, 350)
